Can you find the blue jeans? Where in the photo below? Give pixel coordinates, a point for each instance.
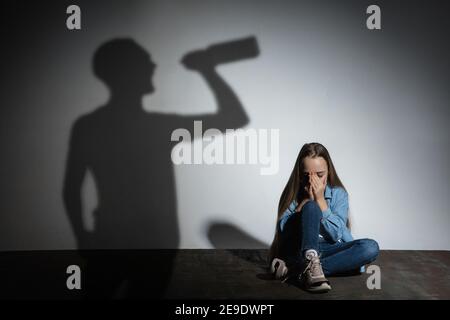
(301, 232)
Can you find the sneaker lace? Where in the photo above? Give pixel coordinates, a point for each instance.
(315, 266)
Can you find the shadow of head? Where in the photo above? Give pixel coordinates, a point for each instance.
(224, 235)
(125, 67)
(240, 244)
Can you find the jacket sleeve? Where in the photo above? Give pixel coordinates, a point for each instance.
(289, 210)
(292, 206)
(334, 219)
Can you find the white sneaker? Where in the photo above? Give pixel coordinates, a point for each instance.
(312, 278)
(279, 269)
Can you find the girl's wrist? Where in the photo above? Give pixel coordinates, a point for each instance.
(320, 198)
(322, 203)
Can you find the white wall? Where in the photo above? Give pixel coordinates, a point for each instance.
(377, 100)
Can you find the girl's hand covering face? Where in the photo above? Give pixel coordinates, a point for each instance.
(315, 187)
(308, 188)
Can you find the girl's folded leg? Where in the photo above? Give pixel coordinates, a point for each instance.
(301, 232)
(340, 258)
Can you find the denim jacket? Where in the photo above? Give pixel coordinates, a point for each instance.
(334, 219)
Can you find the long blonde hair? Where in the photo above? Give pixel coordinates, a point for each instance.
(292, 189)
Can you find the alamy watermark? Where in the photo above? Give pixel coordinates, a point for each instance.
(374, 280)
(236, 146)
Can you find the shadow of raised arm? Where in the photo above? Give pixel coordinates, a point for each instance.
(230, 113)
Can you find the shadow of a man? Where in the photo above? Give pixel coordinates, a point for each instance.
(128, 152)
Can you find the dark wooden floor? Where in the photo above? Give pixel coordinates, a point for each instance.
(242, 274)
(208, 274)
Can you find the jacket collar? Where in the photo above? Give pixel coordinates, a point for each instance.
(328, 192)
